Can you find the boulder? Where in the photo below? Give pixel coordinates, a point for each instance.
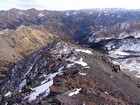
(65, 100)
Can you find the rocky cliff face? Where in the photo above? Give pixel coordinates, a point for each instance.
(62, 73)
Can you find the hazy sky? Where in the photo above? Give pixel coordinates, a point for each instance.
(68, 4)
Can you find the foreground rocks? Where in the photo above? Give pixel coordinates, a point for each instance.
(62, 73)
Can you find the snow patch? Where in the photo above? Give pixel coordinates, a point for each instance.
(87, 67)
(41, 15)
(129, 50)
(20, 12)
(106, 14)
(82, 73)
(84, 103)
(76, 91)
(106, 92)
(3, 31)
(131, 64)
(75, 61)
(74, 13)
(91, 13)
(67, 14)
(22, 84)
(84, 51)
(40, 89)
(70, 65)
(44, 87)
(30, 68)
(80, 62)
(117, 53)
(119, 16)
(120, 53)
(8, 94)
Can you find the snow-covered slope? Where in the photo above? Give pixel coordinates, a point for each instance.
(126, 53)
(121, 42)
(120, 30)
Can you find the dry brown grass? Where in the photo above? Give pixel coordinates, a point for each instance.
(16, 44)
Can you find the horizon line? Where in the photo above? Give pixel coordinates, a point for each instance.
(70, 9)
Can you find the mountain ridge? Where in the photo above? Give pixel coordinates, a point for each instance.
(70, 68)
(17, 44)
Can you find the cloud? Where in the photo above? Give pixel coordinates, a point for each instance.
(68, 4)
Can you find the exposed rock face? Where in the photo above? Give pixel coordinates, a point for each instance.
(63, 73)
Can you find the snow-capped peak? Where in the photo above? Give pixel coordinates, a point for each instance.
(20, 12)
(41, 15)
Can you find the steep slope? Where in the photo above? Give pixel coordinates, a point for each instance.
(126, 53)
(16, 44)
(121, 43)
(63, 73)
(120, 30)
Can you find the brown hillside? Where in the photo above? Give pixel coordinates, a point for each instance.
(16, 44)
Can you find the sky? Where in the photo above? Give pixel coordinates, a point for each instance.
(68, 4)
